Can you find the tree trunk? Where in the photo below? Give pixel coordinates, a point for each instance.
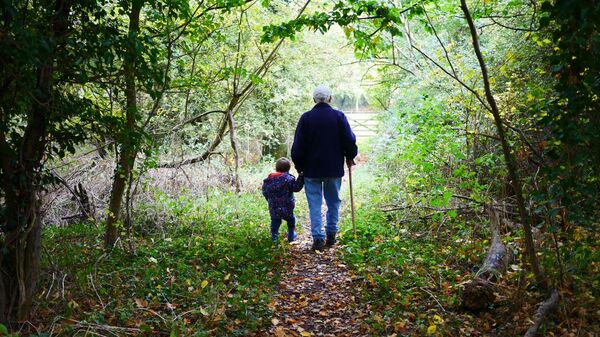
(498, 256)
(19, 265)
(478, 293)
(509, 159)
(543, 310)
(21, 225)
(129, 144)
(236, 155)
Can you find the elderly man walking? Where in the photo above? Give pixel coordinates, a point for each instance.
(322, 142)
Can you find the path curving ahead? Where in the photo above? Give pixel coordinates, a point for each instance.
(316, 295)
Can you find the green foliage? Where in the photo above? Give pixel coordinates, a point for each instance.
(3, 330)
(572, 116)
(206, 266)
(209, 271)
(25, 52)
(5, 333)
(426, 156)
(397, 264)
(361, 19)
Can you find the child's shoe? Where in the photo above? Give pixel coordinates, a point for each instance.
(292, 236)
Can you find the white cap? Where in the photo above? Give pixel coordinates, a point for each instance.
(321, 93)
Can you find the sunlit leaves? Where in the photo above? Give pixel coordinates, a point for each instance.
(365, 20)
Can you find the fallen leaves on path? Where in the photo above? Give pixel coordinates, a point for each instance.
(316, 296)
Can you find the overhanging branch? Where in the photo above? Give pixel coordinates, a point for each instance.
(237, 99)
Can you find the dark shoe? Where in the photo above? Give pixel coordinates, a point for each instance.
(292, 236)
(318, 244)
(330, 239)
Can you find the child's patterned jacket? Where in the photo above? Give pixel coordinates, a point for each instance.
(278, 188)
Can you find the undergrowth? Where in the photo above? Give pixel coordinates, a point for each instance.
(205, 266)
(409, 278)
(410, 273)
(210, 270)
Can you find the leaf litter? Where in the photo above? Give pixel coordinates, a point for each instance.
(316, 295)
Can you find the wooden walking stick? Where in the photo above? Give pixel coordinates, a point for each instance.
(352, 200)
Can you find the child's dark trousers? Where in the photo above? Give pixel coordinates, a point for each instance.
(276, 223)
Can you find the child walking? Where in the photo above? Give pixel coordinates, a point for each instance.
(278, 188)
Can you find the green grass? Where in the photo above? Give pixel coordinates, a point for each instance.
(206, 267)
(401, 267)
(210, 270)
(409, 274)
(397, 267)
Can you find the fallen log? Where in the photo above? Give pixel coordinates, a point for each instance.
(478, 293)
(498, 256)
(543, 310)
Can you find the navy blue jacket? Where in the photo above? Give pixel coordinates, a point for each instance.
(323, 138)
(278, 188)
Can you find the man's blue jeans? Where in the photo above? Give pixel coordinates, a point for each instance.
(316, 189)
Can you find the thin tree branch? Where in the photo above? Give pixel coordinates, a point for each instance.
(440, 42)
(196, 118)
(479, 98)
(508, 157)
(235, 103)
(519, 29)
